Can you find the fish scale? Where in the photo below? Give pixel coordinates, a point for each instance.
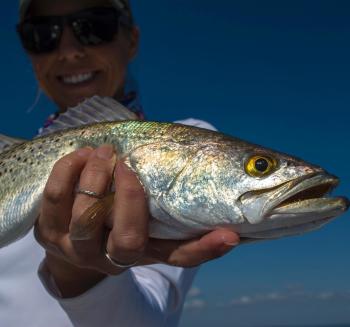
(196, 180)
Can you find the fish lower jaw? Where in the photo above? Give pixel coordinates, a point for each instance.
(294, 219)
(311, 206)
(292, 230)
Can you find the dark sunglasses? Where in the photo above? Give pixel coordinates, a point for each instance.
(93, 26)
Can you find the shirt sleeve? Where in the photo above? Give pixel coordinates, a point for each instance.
(197, 123)
(142, 296)
(148, 296)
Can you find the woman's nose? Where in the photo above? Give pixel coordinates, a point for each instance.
(70, 48)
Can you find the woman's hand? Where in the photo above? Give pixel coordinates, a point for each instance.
(77, 265)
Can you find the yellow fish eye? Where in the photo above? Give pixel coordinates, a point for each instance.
(259, 166)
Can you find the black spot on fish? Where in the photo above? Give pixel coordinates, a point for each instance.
(71, 143)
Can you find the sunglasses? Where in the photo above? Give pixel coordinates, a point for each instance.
(93, 26)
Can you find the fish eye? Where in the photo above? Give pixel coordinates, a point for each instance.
(259, 166)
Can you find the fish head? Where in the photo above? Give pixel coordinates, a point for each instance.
(279, 191)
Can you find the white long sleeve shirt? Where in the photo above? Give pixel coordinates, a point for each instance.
(141, 296)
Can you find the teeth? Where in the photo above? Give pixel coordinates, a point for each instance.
(75, 79)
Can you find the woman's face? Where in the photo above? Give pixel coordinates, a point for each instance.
(74, 72)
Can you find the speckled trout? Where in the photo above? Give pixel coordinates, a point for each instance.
(196, 179)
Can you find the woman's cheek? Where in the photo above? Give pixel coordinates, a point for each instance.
(40, 70)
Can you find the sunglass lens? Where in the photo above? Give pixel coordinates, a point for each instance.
(40, 37)
(93, 27)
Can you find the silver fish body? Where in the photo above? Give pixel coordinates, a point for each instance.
(196, 180)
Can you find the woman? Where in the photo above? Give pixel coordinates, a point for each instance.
(80, 49)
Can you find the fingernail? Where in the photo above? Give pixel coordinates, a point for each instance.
(84, 152)
(105, 152)
(226, 248)
(229, 243)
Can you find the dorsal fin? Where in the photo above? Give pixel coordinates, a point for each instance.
(6, 142)
(94, 110)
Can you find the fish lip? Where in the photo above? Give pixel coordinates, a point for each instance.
(322, 183)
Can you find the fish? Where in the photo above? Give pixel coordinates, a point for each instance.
(196, 180)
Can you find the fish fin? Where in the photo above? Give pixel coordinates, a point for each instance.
(92, 219)
(94, 110)
(7, 142)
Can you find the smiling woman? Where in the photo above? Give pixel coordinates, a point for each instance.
(79, 49)
(67, 69)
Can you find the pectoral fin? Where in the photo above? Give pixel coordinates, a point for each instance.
(92, 219)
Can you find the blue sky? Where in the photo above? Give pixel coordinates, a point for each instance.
(272, 72)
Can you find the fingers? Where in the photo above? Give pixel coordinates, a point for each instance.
(58, 193)
(95, 177)
(129, 235)
(194, 252)
(92, 170)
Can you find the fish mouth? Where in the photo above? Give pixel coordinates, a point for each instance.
(294, 207)
(302, 192)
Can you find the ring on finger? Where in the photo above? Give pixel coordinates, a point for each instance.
(90, 193)
(119, 264)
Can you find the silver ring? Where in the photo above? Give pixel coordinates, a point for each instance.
(118, 264)
(90, 193)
